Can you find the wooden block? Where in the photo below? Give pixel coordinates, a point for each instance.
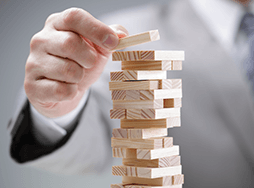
(151, 65)
(170, 84)
(135, 85)
(178, 179)
(124, 153)
(147, 85)
(176, 65)
(139, 133)
(148, 55)
(117, 113)
(151, 123)
(151, 143)
(137, 75)
(145, 154)
(138, 104)
(163, 181)
(158, 153)
(167, 142)
(172, 103)
(138, 39)
(146, 94)
(142, 186)
(144, 172)
(155, 163)
(152, 113)
(160, 94)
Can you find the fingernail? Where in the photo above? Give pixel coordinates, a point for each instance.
(111, 41)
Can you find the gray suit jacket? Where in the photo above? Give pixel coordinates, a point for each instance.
(216, 138)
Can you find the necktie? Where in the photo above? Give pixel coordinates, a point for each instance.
(247, 25)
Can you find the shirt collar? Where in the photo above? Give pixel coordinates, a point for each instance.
(222, 17)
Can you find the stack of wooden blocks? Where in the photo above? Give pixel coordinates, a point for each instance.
(147, 103)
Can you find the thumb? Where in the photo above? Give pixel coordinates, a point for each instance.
(119, 30)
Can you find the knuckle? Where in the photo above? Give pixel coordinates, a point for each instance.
(36, 41)
(51, 18)
(71, 15)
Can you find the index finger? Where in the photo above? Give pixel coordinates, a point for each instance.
(81, 22)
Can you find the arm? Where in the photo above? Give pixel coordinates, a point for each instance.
(66, 58)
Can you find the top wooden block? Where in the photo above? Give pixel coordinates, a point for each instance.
(148, 55)
(138, 39)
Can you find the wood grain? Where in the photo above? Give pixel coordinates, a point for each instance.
(152, 113)
(156, 154)
(151, 123)
(151, 65)
(146, 94)
(146, 85)
(136, 39)
(163, 181)
(135, 85)
(139, 133)
(147, 55)
(151, 143)
(138, 104)
(145, 172)
(137, 75)
(117, 113)
(145, 154)
(142, 186)
(155, 163)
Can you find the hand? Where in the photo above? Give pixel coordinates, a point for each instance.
(66, 57)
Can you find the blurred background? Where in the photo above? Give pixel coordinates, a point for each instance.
(19, 21)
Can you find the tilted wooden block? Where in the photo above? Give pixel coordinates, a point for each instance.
(138, 104)
(155, 163)
(151, 123)
(137, 39)
(142, 186)
(163, 181)
(150, 143)
(144, 172)
(117, 113)
(137, 75)
(151, 65)
(139, 133)
(152, 113)
(148, 55)
(145, 154)
(146, 94)
(135, 85)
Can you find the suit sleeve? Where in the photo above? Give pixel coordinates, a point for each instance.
(85, 148)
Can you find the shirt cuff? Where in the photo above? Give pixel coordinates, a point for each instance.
(52, 130)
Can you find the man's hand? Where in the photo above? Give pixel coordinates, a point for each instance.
(66, 58)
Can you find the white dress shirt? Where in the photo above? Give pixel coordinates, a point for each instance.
(222, 17)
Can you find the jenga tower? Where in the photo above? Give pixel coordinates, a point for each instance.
(147, 103)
